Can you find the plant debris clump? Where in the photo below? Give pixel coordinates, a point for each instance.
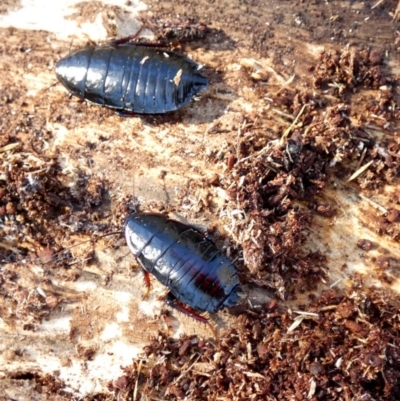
(348, 69)
(273, 181)
(177, 29)
(342, 348)
(37, 206)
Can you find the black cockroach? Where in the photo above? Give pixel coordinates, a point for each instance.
(131, 77)
(198, 276)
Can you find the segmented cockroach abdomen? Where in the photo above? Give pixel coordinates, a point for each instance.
(131, 77)
(183, 259)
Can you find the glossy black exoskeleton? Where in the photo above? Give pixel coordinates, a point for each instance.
(131, 77)
(187, 262)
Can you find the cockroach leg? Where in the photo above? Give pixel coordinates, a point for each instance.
(131, 38)
(172, 301)
(147, 281)
(126, 39)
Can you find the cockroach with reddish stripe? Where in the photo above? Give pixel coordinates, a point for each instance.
(198, 275)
